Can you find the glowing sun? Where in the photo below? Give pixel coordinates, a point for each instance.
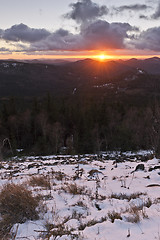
(102, 57)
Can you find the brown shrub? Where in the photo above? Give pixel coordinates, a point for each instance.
(40, 181)
(135, 214)
(5, 227)
(114, 215)
(16, 206)
(74, 189)
(124, 196)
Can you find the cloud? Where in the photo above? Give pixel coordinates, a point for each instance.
(86, 10)
(102, 34)
(58, 40)
(22, 32)
(144, 17)
(97, 35)
(149, 39)
(93, 32)
(1, 32)
(3, 49)
(156, 15)
(132, 7)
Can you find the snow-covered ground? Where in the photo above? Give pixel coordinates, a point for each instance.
(89, 197)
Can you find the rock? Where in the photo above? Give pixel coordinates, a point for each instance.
(145, 158)
(147, 177)
(153, 185)
(93, 172)
(139, 167)
(154, 168)
(33, 165)
(97, 206)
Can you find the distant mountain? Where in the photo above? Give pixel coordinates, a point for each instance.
(47, 61)
(95, 72)
(150, 65)
(27, 79)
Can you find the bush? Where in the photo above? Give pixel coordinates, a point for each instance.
(114, 215)
(16, 206)
(74, 189)
(41, 181)
(135, 214)
(124, 196)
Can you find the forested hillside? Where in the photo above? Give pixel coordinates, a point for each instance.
(81, 107)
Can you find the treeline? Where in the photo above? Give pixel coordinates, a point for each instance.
(79, 124)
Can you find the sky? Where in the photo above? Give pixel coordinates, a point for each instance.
(79, 29)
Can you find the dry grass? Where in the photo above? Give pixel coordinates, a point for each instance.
(41, 181)
(81, 204)
(92, 222)
(128, 197)
(5, 227)
(148, 203)
(134, 214)
(55, 231)
(114, 215)
(16, 206)
(58, 175)
(74, 189)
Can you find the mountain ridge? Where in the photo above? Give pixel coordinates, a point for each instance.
(36, 79)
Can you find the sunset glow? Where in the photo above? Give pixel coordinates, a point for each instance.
(90, 29)
(102, 57)
(98, 57)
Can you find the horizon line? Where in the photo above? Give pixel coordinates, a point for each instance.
(76, 58)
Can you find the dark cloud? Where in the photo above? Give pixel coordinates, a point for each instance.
(149, 39)
(132, 7)
(86, 10)
(156, 15)
(1, 32)
(151, 1)
(3, 49)
(102, 34)
(59, 40)
(143, 17)
(97, 35)
(62, 32)
(22, 32)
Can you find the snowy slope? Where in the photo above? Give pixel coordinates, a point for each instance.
(90, 197)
